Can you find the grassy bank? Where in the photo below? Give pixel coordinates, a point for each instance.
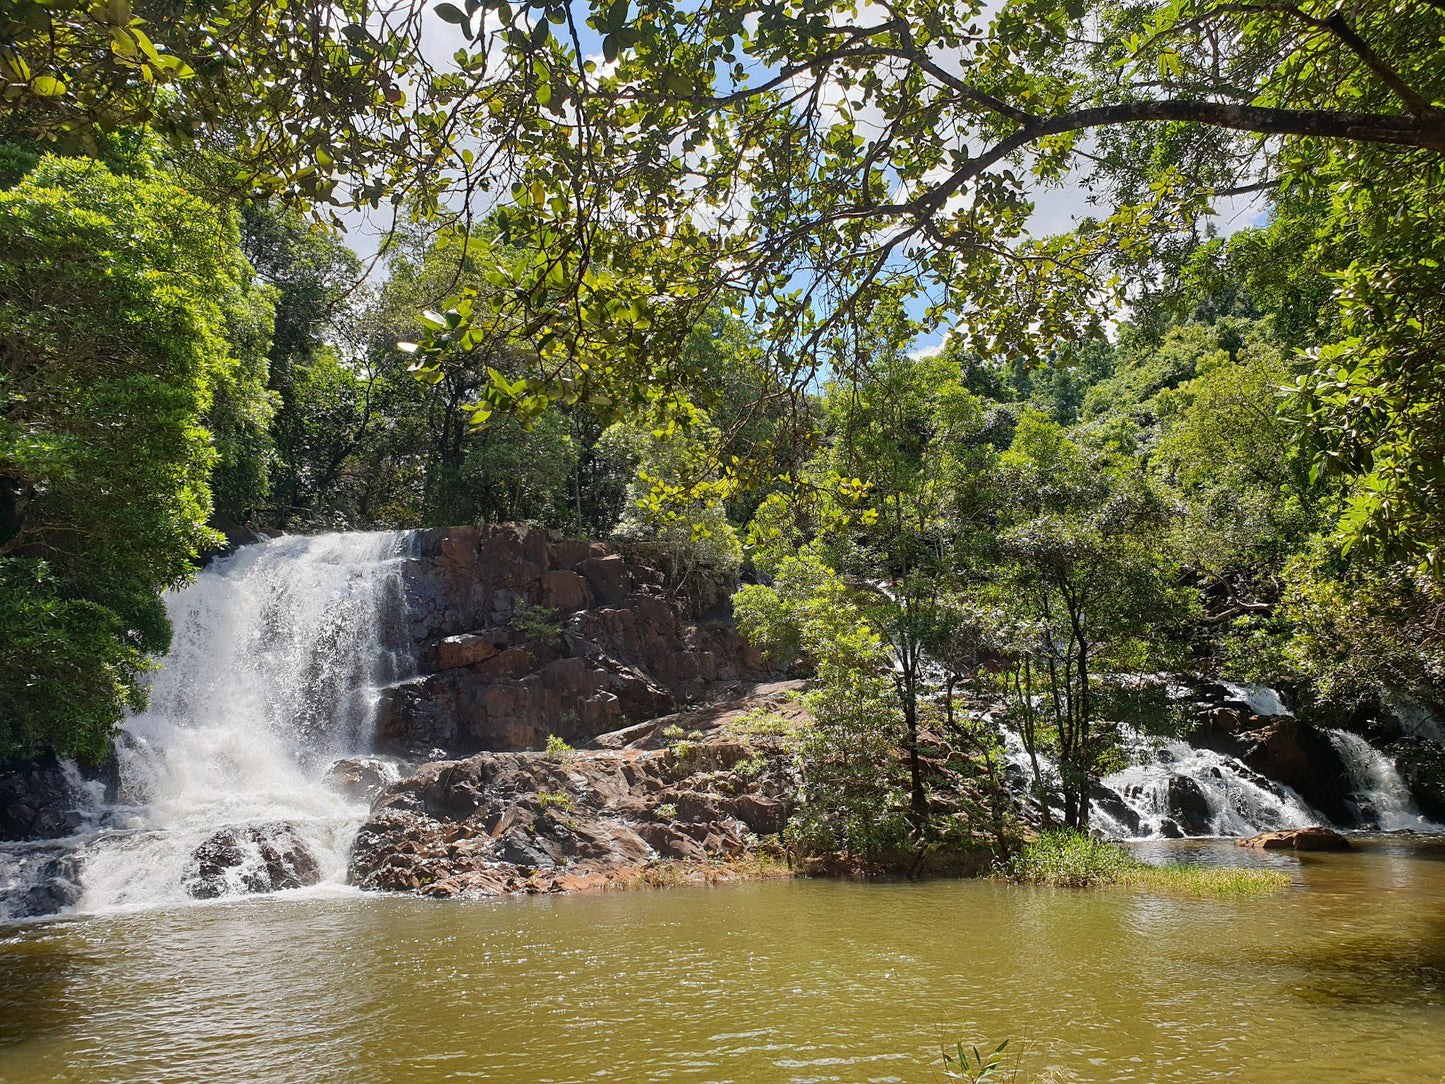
(1074, 860)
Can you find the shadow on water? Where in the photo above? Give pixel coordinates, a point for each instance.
(40, 977)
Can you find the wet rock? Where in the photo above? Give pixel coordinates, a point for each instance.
(251, 859)
(1298, 839)
(1283, 749)
(360, 778)
(1112, 803)
(40, 799)
(38, 880)
(1188, 806)
(1421, 764)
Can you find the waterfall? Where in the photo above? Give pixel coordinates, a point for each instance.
(1380, 792)
(280, 654)
(1172, 788)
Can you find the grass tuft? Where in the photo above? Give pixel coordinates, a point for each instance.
(1067, 859)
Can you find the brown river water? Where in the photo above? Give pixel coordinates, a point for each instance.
(1339, 980)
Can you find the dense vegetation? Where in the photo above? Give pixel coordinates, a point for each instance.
(668, 284)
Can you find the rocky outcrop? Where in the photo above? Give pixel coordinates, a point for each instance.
(1421, 764)
(360, 778)
(1188, 806)
(1285, 750)
(527, 635)
(251, 858)
(41, 799)
(696, 786)
(1298, 839)
(38, 879)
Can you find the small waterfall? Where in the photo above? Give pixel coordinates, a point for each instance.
(1380, 793)
(279, 658)
(1172, 788)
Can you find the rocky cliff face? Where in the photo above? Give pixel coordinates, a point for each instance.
(695, 787)
(525, 635)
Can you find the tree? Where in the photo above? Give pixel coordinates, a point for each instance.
(306, 101)
(853, 798)
(1082, 588)
(117, 297)
(843, 156)
(1370, 409)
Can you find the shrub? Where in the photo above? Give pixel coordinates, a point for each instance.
(1069, 859)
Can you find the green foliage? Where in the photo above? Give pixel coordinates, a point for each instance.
(851, 798)
(306, 98)
(1360, 629)
(677, 499)
(560, 801)
(538, 626)
(67, 667)
(1370, 409)
(557, 748)
(119, 296)
(1069, 859)
(969, 1064)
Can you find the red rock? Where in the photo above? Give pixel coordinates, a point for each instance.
(468, 649)
(609, 576)
(1298, 839)
(563, 590)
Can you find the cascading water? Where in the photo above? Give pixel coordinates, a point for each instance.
(280, 654)
(1380, 792)
(1171, 788)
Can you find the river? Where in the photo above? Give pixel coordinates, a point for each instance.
(1342, 978)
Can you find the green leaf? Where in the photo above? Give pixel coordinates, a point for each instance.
(47, 86)
(451, 13)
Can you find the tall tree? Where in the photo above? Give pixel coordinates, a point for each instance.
(118, 295)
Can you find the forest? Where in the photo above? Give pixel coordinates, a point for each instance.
(1153, 443)
(1027, 355)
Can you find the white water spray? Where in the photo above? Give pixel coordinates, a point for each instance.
(1378, 785)
(280, 655)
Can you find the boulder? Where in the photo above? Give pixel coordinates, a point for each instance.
(40, 799)
(564, 590)
(1112, 803)
(41, 879)
(1303, 758)
(1298, 839)
(251, 858)
(57, 888)
(360, 778)
(1188, 806)
(1283, 749)
(763, 816)
(466, 649)
(609, 577)
(1421, 764)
